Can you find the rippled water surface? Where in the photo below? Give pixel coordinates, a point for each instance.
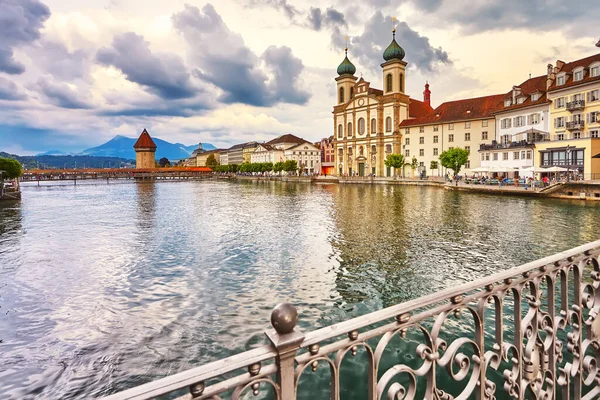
(106, 286)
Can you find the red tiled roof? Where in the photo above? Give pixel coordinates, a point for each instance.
(569, 67)
(144, 141)
(459, 110)
(286, 139)
(419, 109)
(531, 85)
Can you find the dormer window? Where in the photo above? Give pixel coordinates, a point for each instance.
(595, 71)
(520, 100)
(535, 97)
(560, 80)
(578, 75)
(507, 103)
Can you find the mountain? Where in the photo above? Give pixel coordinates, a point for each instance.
(52, 153)
(121, 146)
(68, 161)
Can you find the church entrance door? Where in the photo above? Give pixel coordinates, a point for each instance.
(361, 169)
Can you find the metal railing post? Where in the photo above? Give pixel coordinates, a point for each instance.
(286, 341)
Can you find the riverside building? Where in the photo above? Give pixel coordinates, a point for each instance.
(366, 120)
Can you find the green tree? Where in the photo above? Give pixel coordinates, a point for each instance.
(278, 167)
(211, 161)
(414, 163)
(454, 159)
(433, 165)
(164, 162)
(12, 168)
(394, 160)
(290, 165)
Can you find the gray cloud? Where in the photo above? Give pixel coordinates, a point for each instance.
(232, 66)
(318, 19)
(283, 5)
(286, 69)
(377, 35)
(61, 94)
(20, 23)
(10, 91)
(160, 73)
(55, 59)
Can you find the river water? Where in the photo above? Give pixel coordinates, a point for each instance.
(105, 286)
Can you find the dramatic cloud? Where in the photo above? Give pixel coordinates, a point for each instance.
(369, 46)
(162, 73)
(10, 91)
(54, 58)
(20, 23)
(286, 68)
(232, 66)
(331, 17)
(61, 94)
(283, 5)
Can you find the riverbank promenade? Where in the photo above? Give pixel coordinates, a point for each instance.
(528, 332)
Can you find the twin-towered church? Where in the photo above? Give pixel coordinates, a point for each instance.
(366, 120)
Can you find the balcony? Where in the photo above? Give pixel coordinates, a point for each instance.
(574, 125)
(575, 105)
(529, 332)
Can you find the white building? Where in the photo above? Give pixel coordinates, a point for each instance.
(306, 155)
(273, 151)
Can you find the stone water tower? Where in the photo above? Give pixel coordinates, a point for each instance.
(144, 151)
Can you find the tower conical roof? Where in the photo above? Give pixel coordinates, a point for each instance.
(144, 141)
(346, 67)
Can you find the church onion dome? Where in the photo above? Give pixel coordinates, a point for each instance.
(394, 51)
(346, 67)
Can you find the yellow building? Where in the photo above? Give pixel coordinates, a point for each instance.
(203, 156)
(366, 120)
(247, 151)
(574, 90)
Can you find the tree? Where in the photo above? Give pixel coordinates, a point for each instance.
(211, 161)
(454, 159)
(394, 160)
(164, 162)
(278, 167)
(433, 165)
(12, 168)
(290, 165)
(413, 165)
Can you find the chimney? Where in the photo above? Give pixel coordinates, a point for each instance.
(427, 95)
(516, 91)
(551, 76)
(550, 68)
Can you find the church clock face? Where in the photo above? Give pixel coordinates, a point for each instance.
(361, 102)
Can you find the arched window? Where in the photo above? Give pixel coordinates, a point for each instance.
(349, 133)
(388, 124)
(401, 82)
(388, 83)
(349, 151)
(340, 152)
(351, 92)
(373, 125)
(361, 126)
(340, 131)
(388, 148)
(373, 149)
(341, 95)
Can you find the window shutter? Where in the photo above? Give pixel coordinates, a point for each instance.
(587, 118)
(589, 96)
(556, 122)
(529, 119)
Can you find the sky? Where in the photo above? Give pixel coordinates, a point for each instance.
(75, 73)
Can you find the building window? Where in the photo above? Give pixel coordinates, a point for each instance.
(340, 152)
(576, 135)
(388, 148)
(467, 124)
(482, 156)
(468, 164)
(535, 97)
(594, 95)
(578, 76)
(484, 135)
(505, 139)
(407, 141)
(349, 151)
(487, 156)
(373, 125)
(516, 155)
(560, 80)
(519, 121)
(373, 149)
(467, 136)
(361, 126)
(388, 124)
(594, 71)
(435, 151)
(505, 123)
(559, 122)
(407, 131)
(450, 127)
(595, 134)
(349, 129)
(560, 136)
(484, 124)
(407, 153)
(421, 129)
(533, 119)
(592, 117)
(388, 83)
(468, 148)
(340, 131)
(401, 83)
(529, 154)
(435, 139)
(507, 103)
(421, 152)
(559, 102)
(422, 140)
(521, 100)
(341, 98)
(435, 128)
(451, 137)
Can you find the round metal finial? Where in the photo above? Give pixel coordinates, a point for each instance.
(284, 318)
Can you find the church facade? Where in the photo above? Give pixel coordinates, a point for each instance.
(367, 121)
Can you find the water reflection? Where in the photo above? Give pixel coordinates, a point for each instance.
(115, 285)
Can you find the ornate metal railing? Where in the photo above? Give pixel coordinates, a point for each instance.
(575, 105)
(530, 332)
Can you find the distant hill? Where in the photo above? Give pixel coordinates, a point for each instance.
(121, 146)
(69, 161)
(53, 153)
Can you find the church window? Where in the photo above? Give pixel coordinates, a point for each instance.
(351, 92)
(340, 131)
(361, 126)
(388, 148)
(388, 83)
(373, 149)
(361, 151)
(401, 82)
(388, 124)
(373, 125)
(341, 95)
(349, 129)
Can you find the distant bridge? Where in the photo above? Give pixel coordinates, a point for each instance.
(178, 173)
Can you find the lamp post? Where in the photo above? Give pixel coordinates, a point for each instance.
(568, 151)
